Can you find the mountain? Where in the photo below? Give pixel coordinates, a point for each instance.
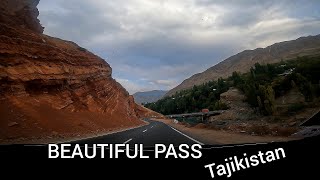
(52, 87)
(149, 96)
(243, 61)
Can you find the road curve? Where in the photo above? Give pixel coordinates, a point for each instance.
(149, 135)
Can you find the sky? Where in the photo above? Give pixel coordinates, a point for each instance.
(157, 44)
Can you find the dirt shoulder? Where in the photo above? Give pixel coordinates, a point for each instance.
(210, 136)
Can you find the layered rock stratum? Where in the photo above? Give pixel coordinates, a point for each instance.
(51, 87)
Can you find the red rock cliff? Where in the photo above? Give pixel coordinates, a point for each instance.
(22, 13)
(49, 86)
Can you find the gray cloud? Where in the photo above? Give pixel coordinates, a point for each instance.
(77, 20)
(157, 44)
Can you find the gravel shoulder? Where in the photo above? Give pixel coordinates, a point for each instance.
(210, 136)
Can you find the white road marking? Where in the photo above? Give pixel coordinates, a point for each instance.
(114, 132)
(151, 126)
(253, 144)
(145, 130)
(127, 141)
(187, 136)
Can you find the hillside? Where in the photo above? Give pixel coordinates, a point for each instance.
(52, 87)
(271, 99)
(148, 96)
(261, 86)
(243, 61)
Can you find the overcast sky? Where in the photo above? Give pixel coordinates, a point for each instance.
(156, 44)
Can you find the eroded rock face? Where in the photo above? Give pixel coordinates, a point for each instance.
(238, 108)
(34, 63)
(21, 13)
(51, 85)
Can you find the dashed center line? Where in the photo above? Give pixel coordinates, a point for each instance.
(127, 141)
(145, 130)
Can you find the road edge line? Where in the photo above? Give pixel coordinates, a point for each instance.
(100, 135)
(187, 136)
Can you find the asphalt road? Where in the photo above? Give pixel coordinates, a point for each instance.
(149, 135)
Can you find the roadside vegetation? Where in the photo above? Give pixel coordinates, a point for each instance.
(193, 100)
(262, 85)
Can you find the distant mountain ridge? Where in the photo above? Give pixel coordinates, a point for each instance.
(148, 96)
(243, 61)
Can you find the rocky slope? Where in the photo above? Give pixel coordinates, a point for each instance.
(243, 61)
(242, 118)
(148, 96)
(51, 87)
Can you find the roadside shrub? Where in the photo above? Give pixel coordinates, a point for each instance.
(296, 107)
(220, 106)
